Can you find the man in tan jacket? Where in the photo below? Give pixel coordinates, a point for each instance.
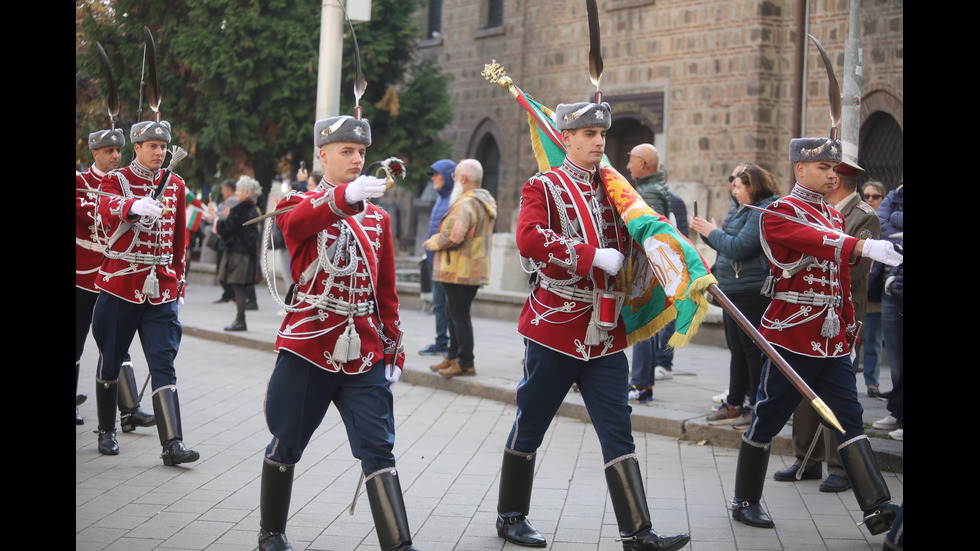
(462, 262)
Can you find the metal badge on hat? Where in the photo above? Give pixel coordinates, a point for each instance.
(835, 105)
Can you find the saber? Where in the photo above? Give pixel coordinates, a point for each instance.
(393, 168)
(813, 225)
(774, 356)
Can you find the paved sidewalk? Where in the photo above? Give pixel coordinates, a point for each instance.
(449, 443)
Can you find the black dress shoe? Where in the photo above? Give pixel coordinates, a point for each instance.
(237, 325)
(174, 453)
(78, 418)
(107, 442)
(271, 541)
(652, 541)
(835, 483)
(881, 518)
(751, 514)
(80, 399)
(136, 418)
(813, 472)
(518, 530)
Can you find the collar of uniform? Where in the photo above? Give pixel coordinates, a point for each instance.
(806, 194)
(839, 206)
(94, 170)
(324, 185)
(142, 171)
(577, 173)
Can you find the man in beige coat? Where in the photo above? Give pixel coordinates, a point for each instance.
(462, 261)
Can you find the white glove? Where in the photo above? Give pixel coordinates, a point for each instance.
(882, 251)
(147, 206)
(180, 304)
(608, 260)
(364, 187)
(392, 373)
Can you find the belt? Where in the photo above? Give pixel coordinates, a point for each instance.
(568, 292)
(337, 306)
(140, 258)
(90, 245)
(816, 299)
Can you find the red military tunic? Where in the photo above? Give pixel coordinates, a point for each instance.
(88, 248)
(145, 250)
(343, 261)
(811, 312)
(565, 217)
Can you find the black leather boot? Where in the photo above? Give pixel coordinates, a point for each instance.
(869, 486)
(750, 477)
(105, 399)
(388, 509)
(166, 406)
(514, 500)
(632, 514)
(277, 487)
(130, 414)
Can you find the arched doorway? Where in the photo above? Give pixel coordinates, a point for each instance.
(882, 149)
(625, 134)
(488, 154)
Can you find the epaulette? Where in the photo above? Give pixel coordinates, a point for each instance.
(866, 208)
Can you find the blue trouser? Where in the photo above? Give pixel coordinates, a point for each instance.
(642, 367)
(872, 348)
(298, 397)
(833, 381)
(663, 355)
(547, 377)
(442, 319)
(115, 323)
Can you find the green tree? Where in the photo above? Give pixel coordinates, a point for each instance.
(239, 79)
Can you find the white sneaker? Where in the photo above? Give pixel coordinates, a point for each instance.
(888, 423)
(720, 397)
(897, 434)
(660, 373)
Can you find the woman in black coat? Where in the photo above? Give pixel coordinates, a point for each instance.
(240, 260)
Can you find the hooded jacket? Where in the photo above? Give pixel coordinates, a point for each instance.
(463, 242)
(445, 167)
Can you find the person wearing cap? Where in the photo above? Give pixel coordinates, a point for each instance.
(106, 147)
(441, 173)
(860, 221)
(811, 321)
(569, 230)
(141, 282)
(340, 342)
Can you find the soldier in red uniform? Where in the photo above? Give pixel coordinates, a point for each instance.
(141, 282)
(106, 147)
(811, 319)
(570, 232)
(340, 340)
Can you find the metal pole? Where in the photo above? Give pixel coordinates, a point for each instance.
(851, 120)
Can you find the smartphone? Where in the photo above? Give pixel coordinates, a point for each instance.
(695, 208)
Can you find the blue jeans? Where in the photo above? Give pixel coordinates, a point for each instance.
(642, 368)
(439, 309)
(662, 355)
(872, 348)
(893, 329)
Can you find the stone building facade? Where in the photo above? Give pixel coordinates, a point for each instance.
(709, 82)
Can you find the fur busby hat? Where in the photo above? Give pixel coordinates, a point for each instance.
(570, 116)
(344, 128)
(805, 150)
(106, 138)
(145, 131)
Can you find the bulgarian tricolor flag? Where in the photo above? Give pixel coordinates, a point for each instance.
(195, 210)
(664, 276)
